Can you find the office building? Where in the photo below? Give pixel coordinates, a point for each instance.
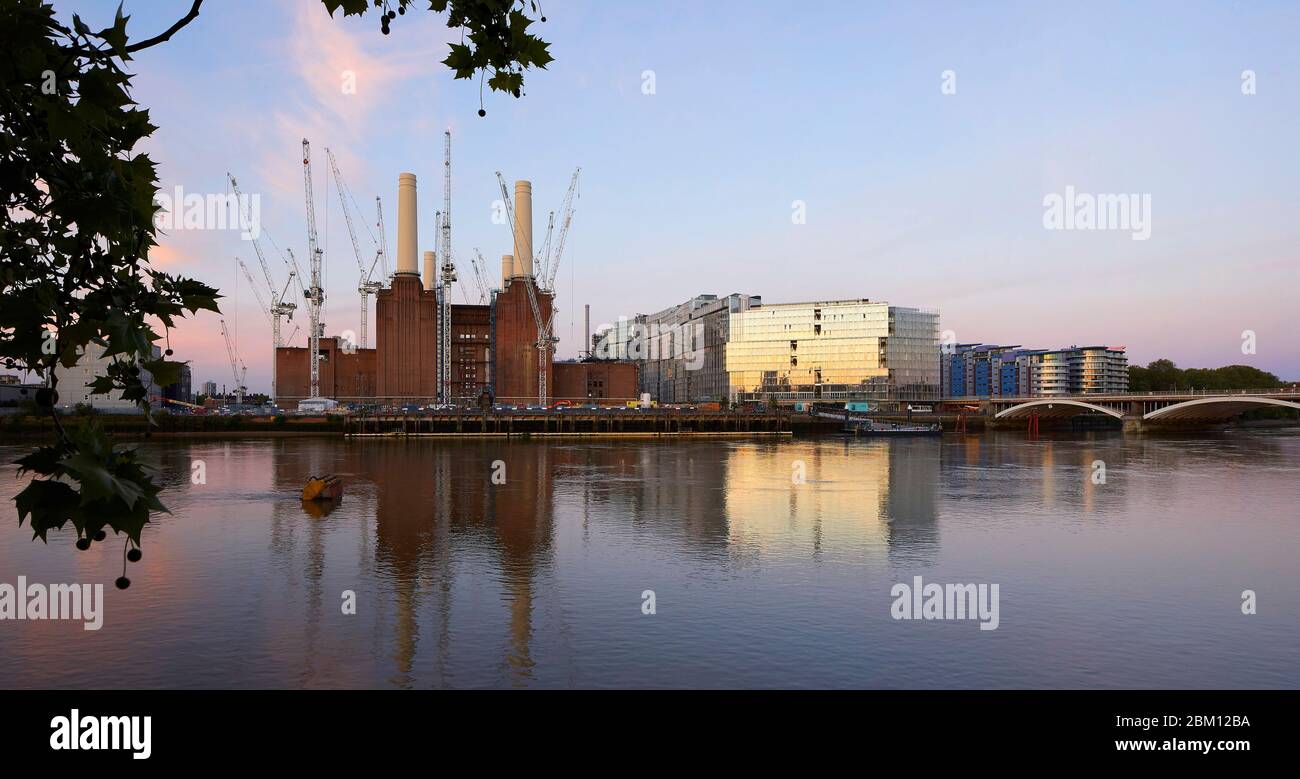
(833, 350)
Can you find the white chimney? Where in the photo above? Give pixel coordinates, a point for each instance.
(406, 227)
(507, 269)
(523, 228)
(430, 262)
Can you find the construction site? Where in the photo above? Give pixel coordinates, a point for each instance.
(430, 353)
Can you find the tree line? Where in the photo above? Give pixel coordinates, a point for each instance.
(1163, 375)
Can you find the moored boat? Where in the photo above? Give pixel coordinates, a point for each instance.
(870, 427)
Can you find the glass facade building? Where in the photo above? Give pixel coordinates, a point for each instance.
(833, 350)
(682, 349)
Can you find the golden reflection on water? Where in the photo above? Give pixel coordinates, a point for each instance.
(739, 500)
(465, 582)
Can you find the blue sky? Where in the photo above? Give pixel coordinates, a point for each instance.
(912, 196)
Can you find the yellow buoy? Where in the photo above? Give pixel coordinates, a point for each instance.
(323, 488)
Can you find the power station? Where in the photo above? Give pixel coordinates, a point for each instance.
(429, 350)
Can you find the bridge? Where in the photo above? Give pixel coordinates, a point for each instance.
(1139, 409)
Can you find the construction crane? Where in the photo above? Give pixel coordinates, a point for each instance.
(552, 261)
(383, 240)
(257, 294)
(366, 286)
(545, 252)
(480, 277)
(448, 276)
(278, 307)
(237, 368)
(314, 295)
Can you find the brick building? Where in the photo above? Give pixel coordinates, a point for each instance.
(514, 331)
(604, 383)
(346, 375)
(471, 351)
(406, 322)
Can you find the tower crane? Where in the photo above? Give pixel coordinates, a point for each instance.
(314, 295)
(448, 276)
(383, 239)
(552, 262)
(257, 294)
(279, 307)
(480, 277)
(237, 368)
(366, 286)
(544, 253)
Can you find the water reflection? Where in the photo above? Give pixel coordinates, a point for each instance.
(461, 581)
(434, 514)
(433, 510)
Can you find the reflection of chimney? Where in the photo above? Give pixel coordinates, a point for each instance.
(429, 263)
(507, 269)
(406, 229)
(523, 228)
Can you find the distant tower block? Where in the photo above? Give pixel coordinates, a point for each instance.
(430, 262)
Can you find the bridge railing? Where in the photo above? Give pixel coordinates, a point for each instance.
(1120, 396)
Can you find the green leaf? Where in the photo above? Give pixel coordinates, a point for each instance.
(50, 504)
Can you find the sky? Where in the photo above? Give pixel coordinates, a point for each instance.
(918, 141)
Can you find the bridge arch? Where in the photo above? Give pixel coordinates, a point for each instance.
(1216, 408)
(1054, 407)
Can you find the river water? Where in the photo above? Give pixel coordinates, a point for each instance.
(771, 564)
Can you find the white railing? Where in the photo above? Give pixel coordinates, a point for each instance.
(1181, 393)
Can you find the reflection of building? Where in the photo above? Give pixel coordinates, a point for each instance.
(985, 370)
(914, 468)
(781, 496)
(684, 348)
(468, 582)
(834, 350)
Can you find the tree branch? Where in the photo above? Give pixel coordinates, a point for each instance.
(157, 39)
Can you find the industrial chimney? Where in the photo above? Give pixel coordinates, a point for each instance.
(507, 269)
(523, 228)
(430, 262)
(586, 331)
(406, 228)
